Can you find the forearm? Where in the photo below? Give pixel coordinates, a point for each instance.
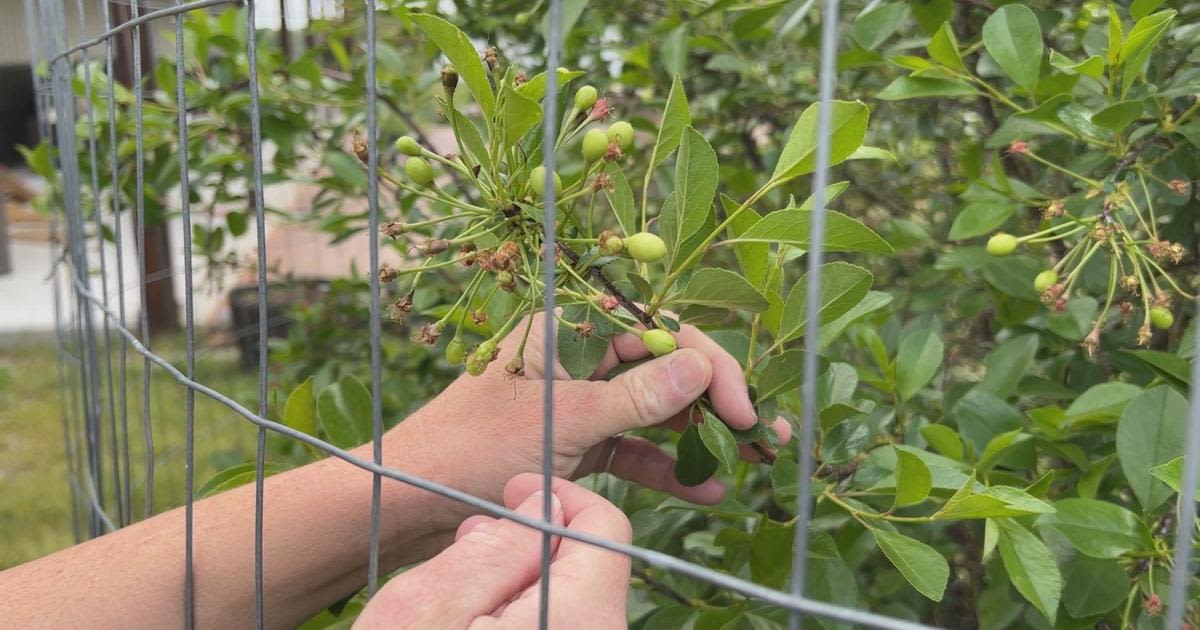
(315, 550)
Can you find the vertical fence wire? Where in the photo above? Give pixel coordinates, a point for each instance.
(94, 171)
(812, 305)
(549, 264)
(375, 325)
(125, 505)
(189, 455)
(1182, 573)
(139, 225)
(260, 224)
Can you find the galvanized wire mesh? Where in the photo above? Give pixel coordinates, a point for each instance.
(93, 393)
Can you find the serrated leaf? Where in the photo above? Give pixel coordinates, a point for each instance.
(909, 87)
(997, 446)
(696, 176)
(675, 117)
(520, 115)
(793, 227)
(1096, 528)
(944, 439)
(1151, 432)
(1141, 41)
(620, 197)
(781, 373)
(943, 48)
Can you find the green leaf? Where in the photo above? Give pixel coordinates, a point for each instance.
(721, 288)
(913, 480)
(674, 51)
(991, 502)
(1093, 586)
(943, 48)
(1139, 9)
(874, 301)
(875, 26)
(848, 128)
(620, 197)
(696, 176)
(1013, 38)
(1171, 368)
(997, 446)
(236, 221)
(344, 409)
(235, 476)
(1118, 116)
(1030, 566)
(780, 374)
(981, 416)
(944, 439)
(753, 258)
(1141, 41)
(917, 361)
(720, 442)
(299, 412)
(580, 355)
(866, 153)
(842, 286)
(462, 55)
(1096, 528)
(771, 552)
(695, 462)
(675, 117)
(520, 115)
(346, 168)
(1170, 473)
(920, 564)
(1100, 403)
(535, 88)
(473, 141)
(979, 218)
(1007, 363)
(793, 227)
(1151, 432)
(1092, 66)
(909, 87)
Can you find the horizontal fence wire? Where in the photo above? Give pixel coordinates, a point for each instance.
(85, 465)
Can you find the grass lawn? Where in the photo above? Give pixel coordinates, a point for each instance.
(35, 499)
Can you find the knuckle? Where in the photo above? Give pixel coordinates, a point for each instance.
(644, 401)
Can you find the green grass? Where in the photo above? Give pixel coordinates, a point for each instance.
(35, 500)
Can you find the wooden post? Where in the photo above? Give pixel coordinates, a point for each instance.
(162, 309)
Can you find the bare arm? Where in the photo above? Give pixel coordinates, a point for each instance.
(475, 436)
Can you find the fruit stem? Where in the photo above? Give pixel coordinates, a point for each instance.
(1062, 169)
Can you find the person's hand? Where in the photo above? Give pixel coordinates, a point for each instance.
(492, 423)
(489, 577)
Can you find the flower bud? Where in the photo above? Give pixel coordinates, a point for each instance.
(434, 246)
(393, 228)
(387, 273)
(359, 143)
(491, 57)
(449, 79)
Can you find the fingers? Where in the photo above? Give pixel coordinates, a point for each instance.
(470, 523)
(486, 567)
(728, 391)
(587, 582)
(644, 463)
(644, 396)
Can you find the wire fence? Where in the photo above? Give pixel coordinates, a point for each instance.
(91, 334)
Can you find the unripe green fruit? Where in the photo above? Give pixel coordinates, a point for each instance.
(595, 145)
(1161, 317)
(1001, 244)
(1045, 280)
(622, 132)
(476, 366)
(585, 97)
(408, 146)
(456, 351)
(659, 341)
(537, 181)
(646, 247)
(419, 171)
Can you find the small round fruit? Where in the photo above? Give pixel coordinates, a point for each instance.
(456, 351)
(622, 132)
(659, 341)
(419, 171)
(612, 246)
(1161, 317)
(1001, 244)
(1045, 280)
(585, 97)
(595, 145)
(646, 247)
(408, 145)
(476, 366)
(537, 181)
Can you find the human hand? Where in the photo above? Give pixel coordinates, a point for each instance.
(492, 423)
(489, 577)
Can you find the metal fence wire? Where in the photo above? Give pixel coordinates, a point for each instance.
(85, 321)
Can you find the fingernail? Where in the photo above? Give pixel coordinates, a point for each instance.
(687, 373)
(751, 412)
(533, 507)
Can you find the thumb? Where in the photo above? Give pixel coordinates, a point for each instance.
(475, 576)
(646, 395)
